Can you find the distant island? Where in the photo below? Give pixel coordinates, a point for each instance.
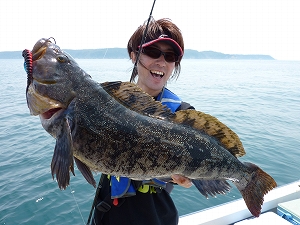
(121, 53)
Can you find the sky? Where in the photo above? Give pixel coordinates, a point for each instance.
(268, 27)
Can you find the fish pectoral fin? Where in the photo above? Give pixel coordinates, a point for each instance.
(62, 160)
(213, 127)
(86, 172)
(133, 97)
(212, 187)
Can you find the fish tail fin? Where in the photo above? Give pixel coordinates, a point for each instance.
(254, 191)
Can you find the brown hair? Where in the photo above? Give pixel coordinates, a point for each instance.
(155, 29)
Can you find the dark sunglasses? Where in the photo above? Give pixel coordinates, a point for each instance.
(155, 53)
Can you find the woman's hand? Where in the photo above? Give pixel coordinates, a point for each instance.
(182, 181)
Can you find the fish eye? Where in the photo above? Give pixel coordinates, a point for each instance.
(62, 58)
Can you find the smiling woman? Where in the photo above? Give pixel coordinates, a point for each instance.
(154, 72)
(160, 31)
(128, 201)
(161, 55)
(145, 150)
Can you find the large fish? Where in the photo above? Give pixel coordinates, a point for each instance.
(117, 129)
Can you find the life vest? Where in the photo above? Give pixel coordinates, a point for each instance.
(168, 98)
(122, 186)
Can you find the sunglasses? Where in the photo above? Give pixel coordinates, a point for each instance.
(155, 53)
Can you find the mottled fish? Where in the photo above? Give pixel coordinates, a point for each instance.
(115, 128)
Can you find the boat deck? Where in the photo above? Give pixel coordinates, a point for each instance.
(234, 211)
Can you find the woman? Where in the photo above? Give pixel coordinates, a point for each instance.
(121, 200)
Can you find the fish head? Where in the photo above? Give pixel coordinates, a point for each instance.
(52, 78)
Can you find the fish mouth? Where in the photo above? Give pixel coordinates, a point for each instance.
(50, 113)
(42, 105)
(39, 54)
(37, 103)
(40, 47)
(38, 51)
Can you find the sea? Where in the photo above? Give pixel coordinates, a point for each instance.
(258, 99)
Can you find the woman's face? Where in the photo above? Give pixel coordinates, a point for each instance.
(153, 74)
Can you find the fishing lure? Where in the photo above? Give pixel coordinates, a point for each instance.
(28, 65)
(28, 61)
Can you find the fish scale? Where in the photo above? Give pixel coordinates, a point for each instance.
(116, 128)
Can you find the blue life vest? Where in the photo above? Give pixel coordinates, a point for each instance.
(122, 186)
(169, 99)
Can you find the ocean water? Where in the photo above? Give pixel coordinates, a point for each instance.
(259, 100)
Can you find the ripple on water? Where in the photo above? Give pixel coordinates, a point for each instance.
(257, 99)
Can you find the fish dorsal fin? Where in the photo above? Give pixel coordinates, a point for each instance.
(134, 98)
(213, 127)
